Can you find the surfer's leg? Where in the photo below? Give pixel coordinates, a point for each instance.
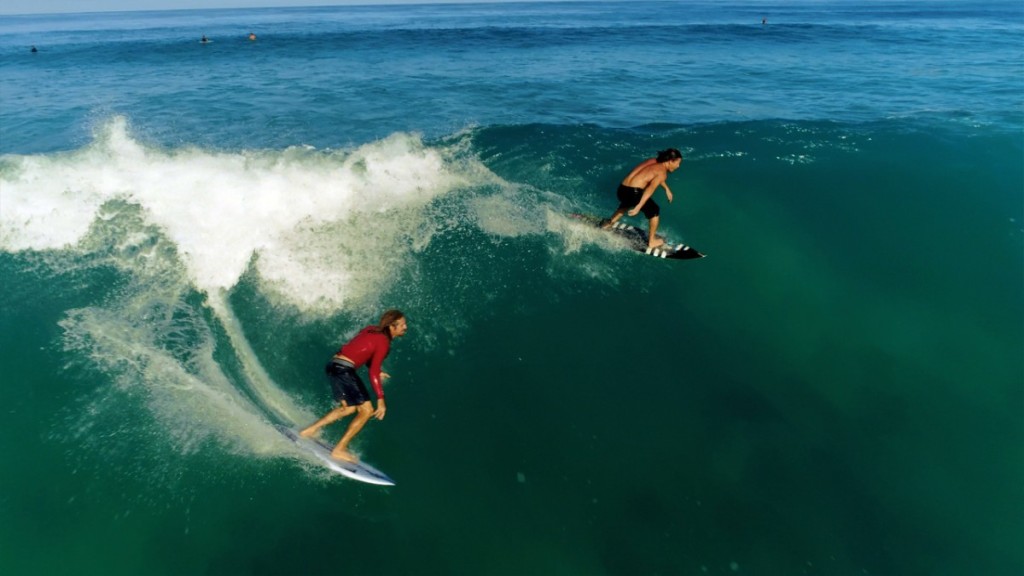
(363, 413)
(615, 218)
(333, 415)
(652, 240)
(628, 197)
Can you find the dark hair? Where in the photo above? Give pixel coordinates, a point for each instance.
(669, 155)
(386, 320)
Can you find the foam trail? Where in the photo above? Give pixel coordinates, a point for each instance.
(157, 348)
(260, 383)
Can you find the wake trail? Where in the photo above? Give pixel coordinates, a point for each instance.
(271, 398)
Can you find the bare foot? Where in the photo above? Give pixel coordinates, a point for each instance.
(308, 433)
(658, 243)
(344, 455)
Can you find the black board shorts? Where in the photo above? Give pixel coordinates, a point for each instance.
(629, 197)
(346, 384)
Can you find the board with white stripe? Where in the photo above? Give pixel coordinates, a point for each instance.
(638, 240)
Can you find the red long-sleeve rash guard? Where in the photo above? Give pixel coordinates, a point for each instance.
(372, 347)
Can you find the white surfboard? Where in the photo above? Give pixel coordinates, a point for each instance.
(354, 470)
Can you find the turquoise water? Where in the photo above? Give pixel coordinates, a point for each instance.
(189, 231)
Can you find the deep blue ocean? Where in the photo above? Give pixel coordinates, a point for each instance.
(189, 231)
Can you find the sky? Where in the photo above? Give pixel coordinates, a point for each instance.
(57, 6)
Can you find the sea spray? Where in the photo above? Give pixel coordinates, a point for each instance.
(824, 392)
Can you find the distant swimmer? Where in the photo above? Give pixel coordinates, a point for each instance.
(636, 189)
(33, 50)
(371, 345)
(252, 36)
(204, 39)
(764, 21)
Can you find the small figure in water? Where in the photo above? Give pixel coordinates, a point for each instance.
(204, 39)
(636, 189)
(252, 36)
(33, 50)
(764, 21)
(371, 345)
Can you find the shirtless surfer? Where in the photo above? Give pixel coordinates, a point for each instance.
(371, 346)
(636, 189)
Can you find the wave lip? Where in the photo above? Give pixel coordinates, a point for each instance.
(296, 208)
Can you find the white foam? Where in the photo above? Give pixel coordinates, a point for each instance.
(577, 235)
(506, 215)
(222, 208)
(162, 352)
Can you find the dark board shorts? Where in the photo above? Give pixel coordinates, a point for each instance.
(346, 384)
(629, 197)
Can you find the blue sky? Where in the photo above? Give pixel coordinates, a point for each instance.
(51, 6)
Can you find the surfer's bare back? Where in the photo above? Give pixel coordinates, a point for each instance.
(638, 186)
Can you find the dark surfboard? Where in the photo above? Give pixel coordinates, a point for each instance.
(637, 238)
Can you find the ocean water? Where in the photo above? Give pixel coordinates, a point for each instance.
(189, 231)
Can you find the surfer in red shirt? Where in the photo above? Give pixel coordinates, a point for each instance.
(370, 346)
